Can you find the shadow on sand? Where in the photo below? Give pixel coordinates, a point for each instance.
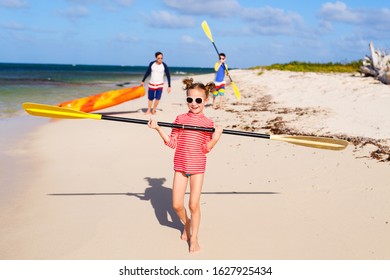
(160, 198)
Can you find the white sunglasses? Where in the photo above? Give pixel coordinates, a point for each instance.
(198, 100)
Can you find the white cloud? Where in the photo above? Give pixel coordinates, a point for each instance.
(216, 8)
(264, 20)
(108, 4)
(124, 3)
(352, 42)
(187, 39)
(14, 4)
(13, 26)
(340, 12)
(272, 21)
(16, 27)
(114, 5)
(125, 38)
(74, 12)
(373, 23)
(83, 2)
(164, 19)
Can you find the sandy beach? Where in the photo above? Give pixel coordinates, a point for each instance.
(87, 189)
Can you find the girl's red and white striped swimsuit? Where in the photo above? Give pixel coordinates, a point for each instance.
(190, 145)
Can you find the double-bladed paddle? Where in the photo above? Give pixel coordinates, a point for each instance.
(207, 30)
(43, 110)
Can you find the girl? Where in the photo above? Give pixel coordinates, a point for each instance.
(190, 156)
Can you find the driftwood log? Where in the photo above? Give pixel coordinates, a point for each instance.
(377, 65)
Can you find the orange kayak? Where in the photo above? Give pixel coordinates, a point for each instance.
(104, 100)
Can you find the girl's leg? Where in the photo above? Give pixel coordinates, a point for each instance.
(180, 181)
(196, 183)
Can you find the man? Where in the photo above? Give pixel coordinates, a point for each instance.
(156, 69)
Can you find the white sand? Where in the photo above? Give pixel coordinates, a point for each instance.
(83, 195)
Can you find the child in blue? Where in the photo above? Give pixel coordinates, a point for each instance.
(220, 68)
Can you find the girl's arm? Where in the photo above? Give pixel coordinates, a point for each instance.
(214, 139)
(153, 124)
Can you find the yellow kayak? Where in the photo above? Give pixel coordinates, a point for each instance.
(104, 100)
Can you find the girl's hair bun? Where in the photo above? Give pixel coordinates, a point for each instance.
(189, 84)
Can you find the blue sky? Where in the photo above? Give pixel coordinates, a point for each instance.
(250, 32)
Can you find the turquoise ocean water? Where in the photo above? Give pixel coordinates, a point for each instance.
(55, 83)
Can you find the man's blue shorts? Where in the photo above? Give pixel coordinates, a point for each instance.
(155, 94)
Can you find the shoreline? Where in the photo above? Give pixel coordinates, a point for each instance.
(16, 160)
(267, 199)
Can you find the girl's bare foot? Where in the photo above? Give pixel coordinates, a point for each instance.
(187, 231)
(147, 112)
(194, 245)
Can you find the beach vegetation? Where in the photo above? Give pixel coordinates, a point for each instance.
(330, 67)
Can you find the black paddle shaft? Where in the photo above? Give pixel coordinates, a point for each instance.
(215, 47)
(189, 127)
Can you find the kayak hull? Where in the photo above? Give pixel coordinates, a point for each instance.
(104, 100)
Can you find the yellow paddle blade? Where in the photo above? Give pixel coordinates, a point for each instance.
(48, 111)
(206, 30)
(313, 141)
(236, 91)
